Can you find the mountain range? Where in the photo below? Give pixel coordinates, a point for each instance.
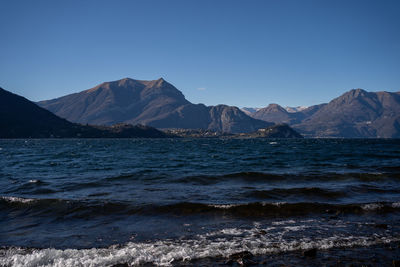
(356, 113)
(249, 111)
(155, 103)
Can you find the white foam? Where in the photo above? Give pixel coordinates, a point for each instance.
(17, 199)
(278, 204)
(256, 224)
(34, 181)
(396, 205)
(295, 228)
(228, 231)
(223, 206)
(372, 206)
(232, 231)
(283, 222)
(165, 252)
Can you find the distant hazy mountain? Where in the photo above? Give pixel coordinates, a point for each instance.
(277, 114)
(21, 118)
(356, 113)
(156, 103)
(249, 111)
(295, 109)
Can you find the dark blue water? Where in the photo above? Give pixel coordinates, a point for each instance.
(102, 202)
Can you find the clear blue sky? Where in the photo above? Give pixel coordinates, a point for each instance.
(243, 53)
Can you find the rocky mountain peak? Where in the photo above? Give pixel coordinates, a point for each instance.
(354, 93)
(126, 82)
(275, 107)
(351, 96)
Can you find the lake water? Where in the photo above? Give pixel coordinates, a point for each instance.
(103, 202)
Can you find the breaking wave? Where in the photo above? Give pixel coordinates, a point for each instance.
(168, 252)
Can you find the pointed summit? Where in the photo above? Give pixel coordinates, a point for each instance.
(275, 108)
(274, 113)
(357, 92)
(350, 96)
(156, 83)
(126, 79)
(160, 82)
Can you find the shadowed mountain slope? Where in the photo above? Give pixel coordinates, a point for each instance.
(21, 118)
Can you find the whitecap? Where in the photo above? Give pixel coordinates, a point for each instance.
(227, 231)
(276, 203)
(17, 199)
(396, 204)
(232, 231)
(372, 206)
(223, 206)
(283, 222)
(295, 228)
